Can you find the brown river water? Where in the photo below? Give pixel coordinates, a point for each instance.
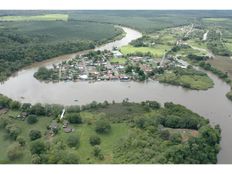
(211, 104)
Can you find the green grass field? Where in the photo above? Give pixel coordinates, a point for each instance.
(158, 51)
(118, 60)
(46, 17)
(107, 142)
(186, 51)
(192, 81)
(197, 43)
(215, 19)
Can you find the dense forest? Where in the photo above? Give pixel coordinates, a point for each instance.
(105, 133)
(23, 43)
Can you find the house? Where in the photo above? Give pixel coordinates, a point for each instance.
(65, 124)
(53, 125)
(83, 77)
(53, 128)
(68, 130)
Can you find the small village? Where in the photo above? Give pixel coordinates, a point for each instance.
(109, 66)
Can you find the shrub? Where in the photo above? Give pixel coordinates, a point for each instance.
(14, 152)
(165, 134)
(32, 119)
(15, 105)
(36, 159)
(38, 109)
(34, 134)
(21, 141)
(70, 158)
(97, 152)
(13, 131)
(74, 118)
(102, 126)
(73, 141)
(94, 140)
(38, 147)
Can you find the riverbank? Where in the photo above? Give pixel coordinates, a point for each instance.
(98, 133)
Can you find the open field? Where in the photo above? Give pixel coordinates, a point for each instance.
(223, 63)
(186, 51)
(215, 19)
(190, 81)
(197, 43)
(46, 17)
(118, 60)
(157, 51)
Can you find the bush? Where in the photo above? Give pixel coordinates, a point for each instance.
(15, 105)
(74, 118)
(176, 138)
(102, 126)
(21, 141)
(36, 159)
(38, 147)
(14, 152)
(165, 134)
(38, 109)
(97, 152)
(34, 134)
(73, 141)
(32, 119)
(94, 140)
(13, 131)
(70, 158)
(26, 107)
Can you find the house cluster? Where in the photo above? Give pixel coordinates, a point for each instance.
(146, 63)
(174, 61)
(98, 66)
(88, 67)
(22, 116)
(55, 126)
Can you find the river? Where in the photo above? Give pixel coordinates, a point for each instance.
(211, 104)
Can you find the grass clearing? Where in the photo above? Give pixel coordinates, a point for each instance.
(222, 63)
(215, 19)
(157, 51)
(197, 43)
(118, 60)
(185, 133)
(186, 51)
(196, 82)
(108, 141)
